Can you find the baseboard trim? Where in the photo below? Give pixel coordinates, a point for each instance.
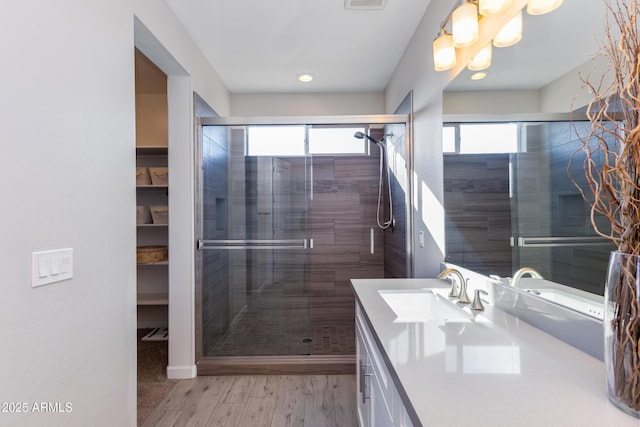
(181, 372)
(277, 365)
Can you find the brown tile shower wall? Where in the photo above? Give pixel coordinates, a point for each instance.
(478, 213)
(582, 267)
(549, 204)
(341, 215)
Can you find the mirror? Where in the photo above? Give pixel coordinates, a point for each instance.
(512, 208)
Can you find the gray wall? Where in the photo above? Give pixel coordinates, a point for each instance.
(395, 239)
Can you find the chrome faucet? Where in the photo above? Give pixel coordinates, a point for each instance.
(522, 272)
(462, 294)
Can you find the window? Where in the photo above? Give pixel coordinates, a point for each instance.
(336, 140)
(275, 141)
(480, 138)
(290, 140)
(449, 139)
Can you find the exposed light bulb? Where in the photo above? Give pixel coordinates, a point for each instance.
(540, 7)
(493, 7)
(444, 54)
(511, 33)
(464, 22)
(481, 60)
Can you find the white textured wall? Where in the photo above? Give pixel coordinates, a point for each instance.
(306, 104)
(567, 93)
(67, 163)
(491, 102)
(174, 52)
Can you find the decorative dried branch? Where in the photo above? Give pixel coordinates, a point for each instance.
(611, 166)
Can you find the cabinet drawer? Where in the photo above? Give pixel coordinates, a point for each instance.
(381, 416)
(383, 383)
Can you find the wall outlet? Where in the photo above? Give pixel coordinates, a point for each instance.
(51, 266)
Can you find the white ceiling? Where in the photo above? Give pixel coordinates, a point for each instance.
(259, 46)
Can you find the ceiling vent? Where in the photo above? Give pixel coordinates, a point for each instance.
(364, 4)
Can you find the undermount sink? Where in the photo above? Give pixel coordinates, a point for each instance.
(423, 305)
(574, 302)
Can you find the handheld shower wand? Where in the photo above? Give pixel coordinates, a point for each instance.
(383, 160)
(362, 135)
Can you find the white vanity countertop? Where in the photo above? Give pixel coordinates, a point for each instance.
(493, 370)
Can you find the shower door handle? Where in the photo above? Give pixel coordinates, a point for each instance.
(255, 244)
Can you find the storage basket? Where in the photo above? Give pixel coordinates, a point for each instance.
(160, 214)
(143, 216)
(151, 254)
(159, 176)
(142, 176)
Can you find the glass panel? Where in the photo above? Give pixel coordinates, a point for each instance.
(273, 301)
(246, 293)
(547, 204)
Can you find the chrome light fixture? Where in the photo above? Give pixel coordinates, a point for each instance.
(465, 20)
(444, 54)
(540, 7)
(493, 7)
(464, 24)
(482, 59)
(511, 33)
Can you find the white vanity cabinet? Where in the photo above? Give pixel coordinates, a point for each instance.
(379, 404)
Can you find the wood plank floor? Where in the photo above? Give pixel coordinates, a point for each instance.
(259, 400)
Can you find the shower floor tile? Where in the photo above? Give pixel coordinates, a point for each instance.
(254, 335)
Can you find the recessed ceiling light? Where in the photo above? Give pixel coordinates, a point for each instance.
(364, 4)
(305, 77)
(479, 75)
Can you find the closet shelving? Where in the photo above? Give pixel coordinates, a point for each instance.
(152, 278)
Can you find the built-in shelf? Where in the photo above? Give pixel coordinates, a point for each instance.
(153, 264)
(153, 299)
(151, 151)
(152, 278)
(152, 186)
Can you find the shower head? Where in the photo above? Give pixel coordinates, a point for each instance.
(362, 135)
(387, 135)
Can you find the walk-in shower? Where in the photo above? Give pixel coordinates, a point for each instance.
(286, 218)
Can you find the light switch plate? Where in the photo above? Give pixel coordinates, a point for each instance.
(51, 266)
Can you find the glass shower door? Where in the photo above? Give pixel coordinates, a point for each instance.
(550, 220)
(254, 248)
